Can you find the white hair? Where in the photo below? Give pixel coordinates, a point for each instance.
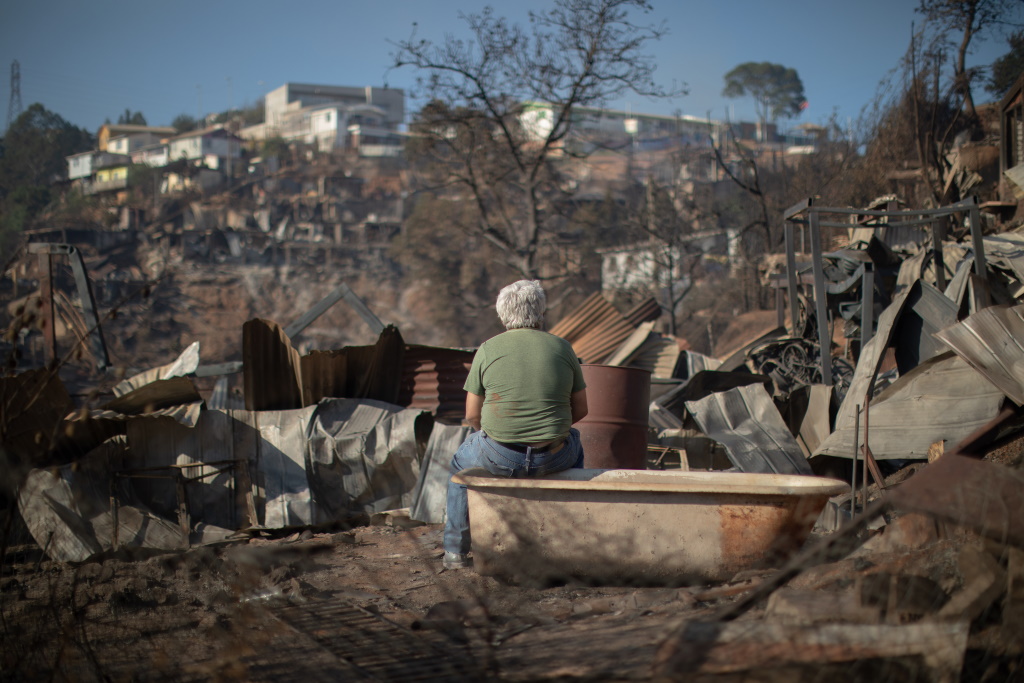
(522, 304)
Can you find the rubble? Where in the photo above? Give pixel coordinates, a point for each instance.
(915, 572)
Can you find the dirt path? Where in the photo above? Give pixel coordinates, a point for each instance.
(368, 604)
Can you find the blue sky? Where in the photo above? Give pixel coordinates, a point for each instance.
(89, 61)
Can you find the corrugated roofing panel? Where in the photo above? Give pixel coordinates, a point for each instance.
(943, 398)
(648, 350)
(432, 379)
(324, 374)
(186, 414)
(992, 342)
(746, 421)
(271, 367)
(184, 364)
(596, 329)
(593, 309)
(644, 311)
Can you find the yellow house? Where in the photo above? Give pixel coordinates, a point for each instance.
(111, 175)
(131, 137)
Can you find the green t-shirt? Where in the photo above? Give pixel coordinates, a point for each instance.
(526, 377)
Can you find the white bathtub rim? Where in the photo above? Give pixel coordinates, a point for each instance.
(738, 483)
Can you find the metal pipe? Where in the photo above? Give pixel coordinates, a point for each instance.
(853, 481)
(867, 402)
(959, 207)
(820, 300)
(791, 291)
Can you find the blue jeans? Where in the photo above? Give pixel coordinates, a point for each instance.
(479, 450)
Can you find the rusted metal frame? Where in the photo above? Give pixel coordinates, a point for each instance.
(939, 234)
(798, 208)
(958, 207)
(867, 306)
(46, 252)
(794, 308)
(49, 322)
(780, 307)
(820, 298)
(88, 303)
(872, 225)
(342, 291)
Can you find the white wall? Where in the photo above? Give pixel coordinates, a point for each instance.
(80, 166)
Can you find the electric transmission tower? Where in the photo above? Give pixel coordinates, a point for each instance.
(14, 108)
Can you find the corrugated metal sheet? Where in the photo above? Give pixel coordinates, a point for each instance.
(432, 379)
(1006, 249)
(186, 414)
(648, 350)
(324, 374)
(593, 309)
(870, 361)
(631, 345)
(643, 312)
(926, 312)
(271, 367)
(694, 362)
(432, 488)
(184, 364)
(595, 329)
(316, 465)
(363, 456)
(747, 423)
(660, 418)
(943, 398)
(992, 342)
(705, 383)
(222, 399)
(429, 378)
(160, 395)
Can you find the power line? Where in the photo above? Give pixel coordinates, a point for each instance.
(14, 107)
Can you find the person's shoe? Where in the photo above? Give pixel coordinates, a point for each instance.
(456, 561)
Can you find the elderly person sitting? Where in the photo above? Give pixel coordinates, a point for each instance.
(524, 392)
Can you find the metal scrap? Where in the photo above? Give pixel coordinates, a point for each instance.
(748, 424)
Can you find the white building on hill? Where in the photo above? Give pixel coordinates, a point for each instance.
(330, 117)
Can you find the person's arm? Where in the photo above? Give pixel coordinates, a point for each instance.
(474, 407)
(578, 405)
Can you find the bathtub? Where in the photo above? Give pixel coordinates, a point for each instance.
(639, 526)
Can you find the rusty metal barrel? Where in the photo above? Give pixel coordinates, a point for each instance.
(614, 432)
